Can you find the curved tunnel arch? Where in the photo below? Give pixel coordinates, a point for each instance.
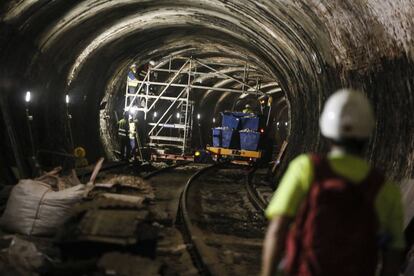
(309, 48)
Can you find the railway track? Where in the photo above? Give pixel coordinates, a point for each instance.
(220, 215)
(165, 169)
(224, 228)
(253, 194)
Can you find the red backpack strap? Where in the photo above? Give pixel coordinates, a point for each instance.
(321, 167)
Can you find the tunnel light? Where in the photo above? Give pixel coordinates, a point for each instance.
(286, 123)
(133, 109)
(67, 99)
(178, 115)
(278, 123)
(198, 116)
(28, 97)
(214, 120)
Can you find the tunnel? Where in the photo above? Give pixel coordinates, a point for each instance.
(299, 52)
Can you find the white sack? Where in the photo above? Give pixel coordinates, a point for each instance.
(35, 209)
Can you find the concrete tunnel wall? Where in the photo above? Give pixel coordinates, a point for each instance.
(311, 47)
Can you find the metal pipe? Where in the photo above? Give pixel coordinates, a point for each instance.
(153, 97)
(186, 107)
(168, 85)
(137, 91)
(207, 88)
(29, 126)
(193, 73)
(168, 109)
(69, 117)
(230, 77)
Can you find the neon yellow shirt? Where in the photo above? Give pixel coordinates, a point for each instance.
(296, 182)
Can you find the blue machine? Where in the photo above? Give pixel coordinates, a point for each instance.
(230, 120)
(250, 122)
(217, 137)
(225, 137)
(249, 140)
(228, 136)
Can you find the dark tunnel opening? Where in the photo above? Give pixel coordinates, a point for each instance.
(94, 78)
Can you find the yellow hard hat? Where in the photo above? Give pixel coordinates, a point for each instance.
(79, 152)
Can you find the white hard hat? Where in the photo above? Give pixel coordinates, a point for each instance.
(347, 114)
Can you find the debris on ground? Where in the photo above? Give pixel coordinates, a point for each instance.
(104, 228)
(34, 208)
(59, 182)
(112, 217)
(116, 263)
(19, 256)
(123, 184)
(38, 207)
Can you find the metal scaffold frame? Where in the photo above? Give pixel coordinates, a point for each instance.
(143, 100)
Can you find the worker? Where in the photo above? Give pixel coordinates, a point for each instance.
(132, 78)
(124, 141)
(247, 109)
(333, 213)
(263, 100)
(132, 136)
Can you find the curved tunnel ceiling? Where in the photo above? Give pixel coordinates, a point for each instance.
(308, 47)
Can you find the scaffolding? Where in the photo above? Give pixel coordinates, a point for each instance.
(173, 126)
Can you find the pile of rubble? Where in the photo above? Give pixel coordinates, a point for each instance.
(59, 226)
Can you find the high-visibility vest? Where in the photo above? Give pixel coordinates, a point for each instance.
(123, 128)
(132, 130)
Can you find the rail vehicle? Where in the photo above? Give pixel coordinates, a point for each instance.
(241, 138)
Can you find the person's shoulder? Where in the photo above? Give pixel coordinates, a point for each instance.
(302, 163)
(389, 195)
(391, 190)
(302, 158)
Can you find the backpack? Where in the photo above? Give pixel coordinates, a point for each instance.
(335, 231)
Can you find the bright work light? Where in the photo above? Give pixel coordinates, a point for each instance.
(28, 97)
(133, 109)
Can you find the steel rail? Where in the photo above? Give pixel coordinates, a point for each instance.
(191, 233)
(252, 194)
(166, 169)
(105, 167)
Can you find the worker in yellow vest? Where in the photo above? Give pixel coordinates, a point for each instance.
(132, 137)
(333, 214)
(123, 129)
(247, 109)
